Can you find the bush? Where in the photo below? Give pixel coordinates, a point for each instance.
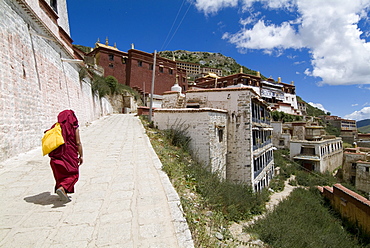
(302, 220)
(312, 179)
(112, 84)
(236, 201)
(177, 134)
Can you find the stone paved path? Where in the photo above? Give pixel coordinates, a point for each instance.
(122, 199)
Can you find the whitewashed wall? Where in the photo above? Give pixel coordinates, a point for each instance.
(202, 126)
(35, 85)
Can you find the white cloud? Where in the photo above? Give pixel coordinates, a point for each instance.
(266, 37)
(319, 106)
(213, 6)
(354, 105)
(362, 114)
(328, 28)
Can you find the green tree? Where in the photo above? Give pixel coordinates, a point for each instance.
(112, 83)
(99, 86)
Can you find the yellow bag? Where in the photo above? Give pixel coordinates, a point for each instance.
(52, 139)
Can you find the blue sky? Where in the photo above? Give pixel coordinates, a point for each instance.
(321, 45)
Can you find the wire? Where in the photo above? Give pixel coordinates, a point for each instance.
(173, 23)
(164, 46)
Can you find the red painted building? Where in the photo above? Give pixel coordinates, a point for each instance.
(135, 68)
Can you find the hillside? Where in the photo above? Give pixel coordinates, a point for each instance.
(363, 123)
(363, 126)
(206, 59)
(364, 129)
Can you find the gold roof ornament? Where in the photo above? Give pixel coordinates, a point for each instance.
(279, 79)
(292, 83)
(106, 41)
(212, 75)
(115, 45)
(241, 69)
(258, 74)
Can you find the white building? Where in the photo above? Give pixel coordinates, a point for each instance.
(249, 156)
(39, 74)
(318, 155)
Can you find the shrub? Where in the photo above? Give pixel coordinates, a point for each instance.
(236, 201)
(312, 179)
(112, 84)
(177, 134)
(302, 220)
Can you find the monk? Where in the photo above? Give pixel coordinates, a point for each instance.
(66, 159)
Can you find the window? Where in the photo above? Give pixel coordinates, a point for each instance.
(111, 65)
(151, 67)
(308, 151)
(111, 57)
(354, 166)
(170, 71)
(54, 5)
(140, 63)
(367, 169)
(161, 69)
(220, 134)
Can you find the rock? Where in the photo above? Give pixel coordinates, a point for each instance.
(209, 213)
(219, 236)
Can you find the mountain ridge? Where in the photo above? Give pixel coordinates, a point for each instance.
(228, 65)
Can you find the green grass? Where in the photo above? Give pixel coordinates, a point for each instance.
(209, 204)
(303, 220)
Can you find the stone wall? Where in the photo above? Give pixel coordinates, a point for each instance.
(207, 129)
(238, 104)
(363, 176)
(35, 85)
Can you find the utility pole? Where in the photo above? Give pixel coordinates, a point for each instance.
(152, 89)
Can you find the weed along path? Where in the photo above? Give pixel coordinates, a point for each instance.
(236, 229)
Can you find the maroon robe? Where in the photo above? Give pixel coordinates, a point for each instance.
(64, 160)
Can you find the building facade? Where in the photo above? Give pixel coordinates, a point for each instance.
(39, 76)
(317, 155)
(355, 168)
(207, 129)
(347, 128)
(195, 70)
(249, 156)
(280, 96)
(135, 68)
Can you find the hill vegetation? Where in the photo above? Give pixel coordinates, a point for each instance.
(206, 59)
(363, 123)
(365, 129)
(85, 49)
(364, 126)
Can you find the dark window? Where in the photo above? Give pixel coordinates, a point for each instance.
(151, 67)
(111, 65)
(367, 169)
(111, 57)
(307, 151)
(220, 134)
(140, 63)
(54, 5)
(124, 60)
(160, 69)
(170, 71)
(353, 165)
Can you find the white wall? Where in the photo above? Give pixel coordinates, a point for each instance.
(202, 126)
(35, 85)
